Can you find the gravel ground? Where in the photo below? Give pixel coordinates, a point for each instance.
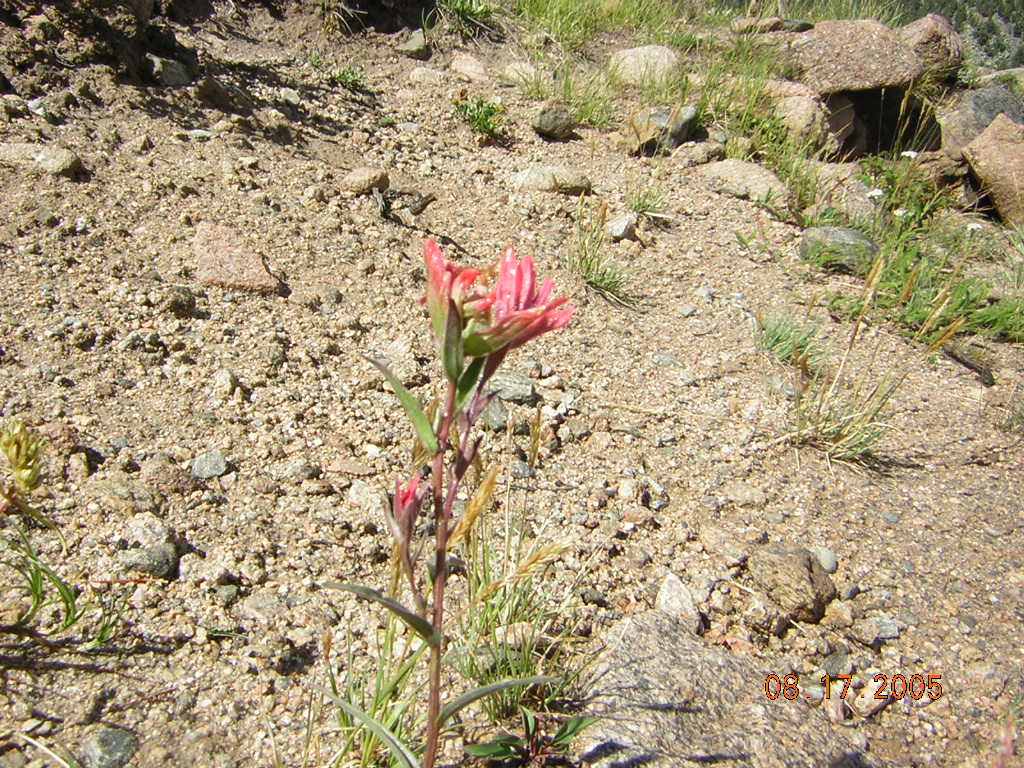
(236, 444)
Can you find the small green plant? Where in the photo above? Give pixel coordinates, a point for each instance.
(507, 626)
(535, 747)
(337, 15)
(586, 257)
(473, 18)
(474, 329)
(482, 116)
(790, 342)
(646, 199)
(39, 585)
(1015, 421)
(386, 694)
(351, 79)
(316, 61)
(39, 581)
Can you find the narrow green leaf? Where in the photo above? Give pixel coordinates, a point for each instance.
(400, 752)
(570, 729)
(493, 750)
(529, 723)
(453, 355)
(486, 690)
(417, 623)
(419, 420)
(467, 382)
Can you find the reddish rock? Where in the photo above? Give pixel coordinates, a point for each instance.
(854, 56)
(62, 439)
(997, 159)
(223, 258)
(934, 41)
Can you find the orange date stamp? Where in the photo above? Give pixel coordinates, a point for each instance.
(886, 687)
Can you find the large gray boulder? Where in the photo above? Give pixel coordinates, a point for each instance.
(665, 698)
(971, 112)
(838, 249)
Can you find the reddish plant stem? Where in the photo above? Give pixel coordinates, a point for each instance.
(442, 513)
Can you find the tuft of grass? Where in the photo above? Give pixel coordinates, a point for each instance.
(337, 15)
(790, 342)
(387, 693)
(351, 78)
(922, 263)
(473, 18)
(841, 419)
(510, 616)
(647, 199)
(586, 257)
(484, 117)
(588, 96)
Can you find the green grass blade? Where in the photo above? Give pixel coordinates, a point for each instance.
(420, 422)
(399, 751)
(416, 623)
(469, 697)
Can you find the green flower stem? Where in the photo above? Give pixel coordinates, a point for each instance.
(442, 513)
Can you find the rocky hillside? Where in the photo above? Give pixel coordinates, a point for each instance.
(211, 213)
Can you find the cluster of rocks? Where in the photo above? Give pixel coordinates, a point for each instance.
(853, 92)
(666, 689)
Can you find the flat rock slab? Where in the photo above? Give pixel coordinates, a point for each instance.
(665, 698)
(854, 56)
(223, 258)
(552, 178)
(748, 181)
(647, 64)
(55, 161)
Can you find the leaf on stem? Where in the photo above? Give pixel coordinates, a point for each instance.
(453, 707)
(467, 382)
(501, 748)
(399, 751)
(417, 623)
(454, 357)
(570, 728)
(412, 407)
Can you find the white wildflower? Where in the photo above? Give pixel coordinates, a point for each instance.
(876, 192)
(974, 225)
(908, 153)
